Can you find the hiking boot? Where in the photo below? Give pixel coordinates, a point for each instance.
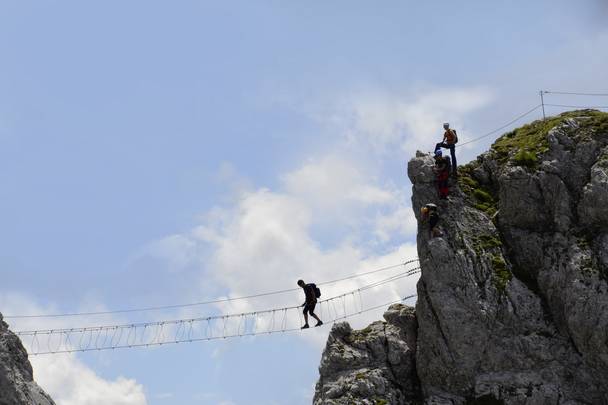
(319, 324)
(305, 327)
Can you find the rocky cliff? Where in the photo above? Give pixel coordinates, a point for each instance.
(513, 299)
(17, 386)
(376, 365)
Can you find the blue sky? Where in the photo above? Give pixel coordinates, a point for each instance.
(155, 153)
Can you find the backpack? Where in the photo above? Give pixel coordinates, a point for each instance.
(316, 290)
(455, 136)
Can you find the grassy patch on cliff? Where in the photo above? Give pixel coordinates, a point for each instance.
(485, 242)
(592, 122)
(359, 336)
(524, 146)
(482, 197)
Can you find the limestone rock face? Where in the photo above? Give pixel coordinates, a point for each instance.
(513, 298)
(372, 366)
(17, 386)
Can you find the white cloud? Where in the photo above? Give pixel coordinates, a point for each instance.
(267, 239)
(381, 121)
(386, 120)
(333, 183)
(177, 251)
(65, 377)
(400, 221)
(71, 382)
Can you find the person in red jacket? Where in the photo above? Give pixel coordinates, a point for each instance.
(442, 170)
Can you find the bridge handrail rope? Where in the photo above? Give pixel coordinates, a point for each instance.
(214, 301)
(56, 331)
(190, 339)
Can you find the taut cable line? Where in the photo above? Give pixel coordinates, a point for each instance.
(577, 106)
(575, 93)
(213, 301)
(514, 120)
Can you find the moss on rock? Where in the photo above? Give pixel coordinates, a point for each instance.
(482, 197)
(502, 275)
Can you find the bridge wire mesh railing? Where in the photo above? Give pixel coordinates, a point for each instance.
(157, 333)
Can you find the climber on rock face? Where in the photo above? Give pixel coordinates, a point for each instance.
(312, 293)
(450, 138)
(429, 212)
(442, 171)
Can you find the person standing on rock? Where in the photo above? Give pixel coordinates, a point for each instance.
(450, 138)
(312, 293)
(442, 171)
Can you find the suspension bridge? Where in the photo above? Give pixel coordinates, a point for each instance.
(207, 328)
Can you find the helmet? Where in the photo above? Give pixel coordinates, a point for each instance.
(446, 125)
(438, 153)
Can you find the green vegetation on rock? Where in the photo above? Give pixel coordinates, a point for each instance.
(602, 161)
(485, 242)
(502, 275)
(592, 122)
(525, 158)
(482, 197)
(524, 146)
(358, 336)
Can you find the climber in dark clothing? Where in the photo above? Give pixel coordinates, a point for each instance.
(450, 138)
(429, 212)
(311, 292)
(442, 171)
